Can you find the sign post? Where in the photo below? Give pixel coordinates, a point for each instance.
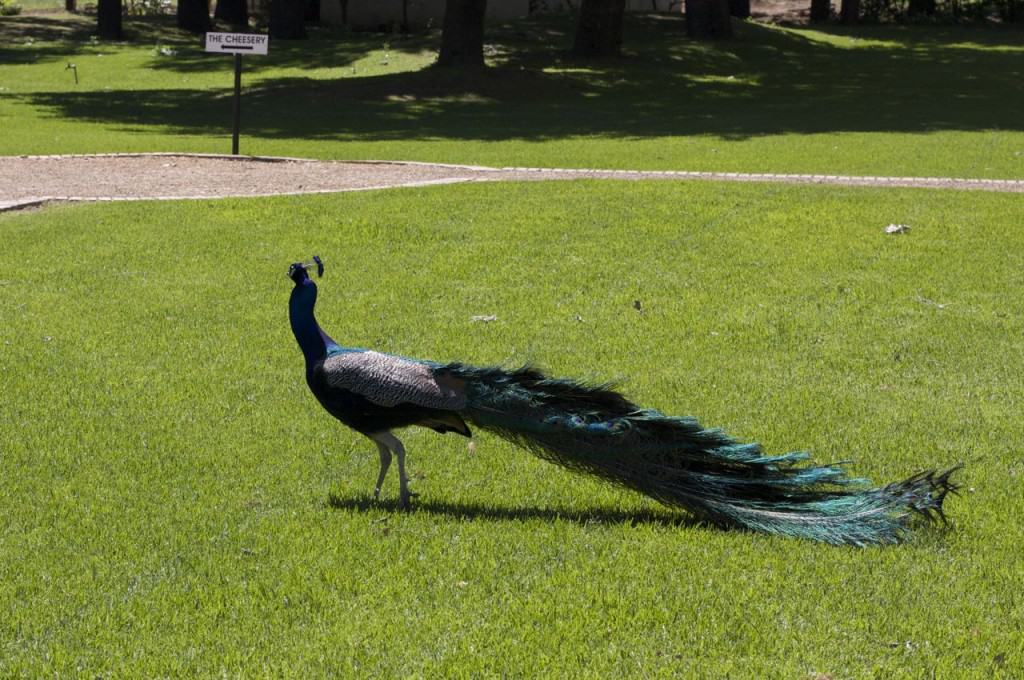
(237, 44)
(236, 107)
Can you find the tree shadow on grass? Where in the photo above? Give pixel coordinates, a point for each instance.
(495, 513)
(767, 82)
(20, 29)
(60, 37)
(325, 49)
(33, 39)
(917, 36)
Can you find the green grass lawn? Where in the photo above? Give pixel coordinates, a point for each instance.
(176, 503)
(37, 5)
(906, 100)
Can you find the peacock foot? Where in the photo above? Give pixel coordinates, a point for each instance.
(405, 500)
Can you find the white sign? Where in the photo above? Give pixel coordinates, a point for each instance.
(237, 43)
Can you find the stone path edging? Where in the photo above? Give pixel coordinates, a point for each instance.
(30, 180)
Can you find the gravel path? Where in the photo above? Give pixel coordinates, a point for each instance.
(33, 180)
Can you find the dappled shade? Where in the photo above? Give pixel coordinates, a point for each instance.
(766, 82)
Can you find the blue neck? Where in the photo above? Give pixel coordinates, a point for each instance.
(314, 343)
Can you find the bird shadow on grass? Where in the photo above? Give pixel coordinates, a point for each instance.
(495, 513)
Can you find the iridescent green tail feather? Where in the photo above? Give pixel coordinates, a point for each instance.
(594, 429)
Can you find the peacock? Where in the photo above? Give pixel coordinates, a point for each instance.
(594, 429)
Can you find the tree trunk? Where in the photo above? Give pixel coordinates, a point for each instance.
(921, 8)
(850, 12)
(599, 30)
(708, 19)
(234, 12)
(312, 13)
(108, 19)
(821, 11)
(462, 34)
(739, 8)
(194, 15)
(286, 19)
(1013, 12)
(69, 5)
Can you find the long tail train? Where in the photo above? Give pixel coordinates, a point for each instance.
(594, 429)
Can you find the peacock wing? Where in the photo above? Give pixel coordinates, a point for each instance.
(388, 381)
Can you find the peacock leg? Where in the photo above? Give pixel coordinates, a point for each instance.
(385, 463)
(391, 442)
(404, 495)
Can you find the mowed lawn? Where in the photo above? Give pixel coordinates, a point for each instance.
(174, 502)
(894, 101)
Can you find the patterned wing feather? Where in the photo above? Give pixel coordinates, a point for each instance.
(388, 381)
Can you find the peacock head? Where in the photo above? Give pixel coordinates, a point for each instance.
(297, 271)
